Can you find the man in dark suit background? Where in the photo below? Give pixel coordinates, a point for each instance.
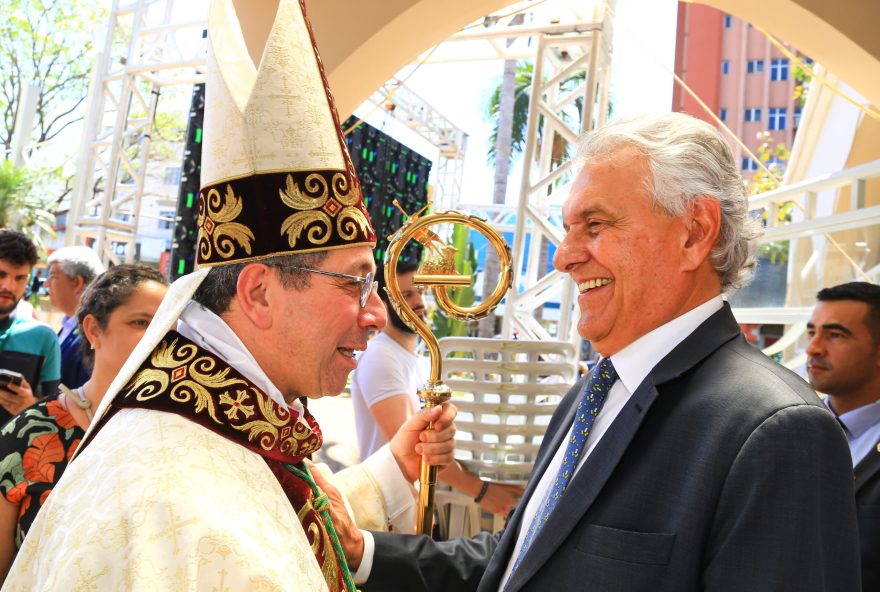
(844, 363)
(71, 270)
(707, 466)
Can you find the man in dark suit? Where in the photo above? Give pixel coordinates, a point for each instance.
(71, 270)
(844, 363)
(697, 462)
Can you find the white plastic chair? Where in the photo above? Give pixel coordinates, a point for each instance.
(506, 391)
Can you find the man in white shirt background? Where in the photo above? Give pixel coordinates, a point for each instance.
(384, 387)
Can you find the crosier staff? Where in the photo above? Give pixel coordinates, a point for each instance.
(439, 273)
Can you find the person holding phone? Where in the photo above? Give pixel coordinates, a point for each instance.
(27, 346)
(36, 444)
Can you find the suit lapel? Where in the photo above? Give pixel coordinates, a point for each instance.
(587, 484)
(502, 553)
(867, 467)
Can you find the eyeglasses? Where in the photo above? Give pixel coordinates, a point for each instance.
(369, 284)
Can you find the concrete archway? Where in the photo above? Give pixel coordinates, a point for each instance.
(365, 43)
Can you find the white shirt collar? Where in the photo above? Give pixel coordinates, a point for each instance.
(207, 330)
(634, 362)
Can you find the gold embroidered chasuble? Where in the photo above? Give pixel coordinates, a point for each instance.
(192, 492)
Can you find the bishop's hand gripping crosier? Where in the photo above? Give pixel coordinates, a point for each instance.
(438, 273)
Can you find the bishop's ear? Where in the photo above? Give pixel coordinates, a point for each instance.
(705, 225)
(251, 296)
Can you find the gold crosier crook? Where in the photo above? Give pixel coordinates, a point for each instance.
(438, 272)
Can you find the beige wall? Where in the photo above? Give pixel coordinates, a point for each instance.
(365, 43)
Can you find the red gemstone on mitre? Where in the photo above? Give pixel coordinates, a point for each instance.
(332, 207)
(208, 225)
(178, 373)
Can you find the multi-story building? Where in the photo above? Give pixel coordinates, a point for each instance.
(739, 74)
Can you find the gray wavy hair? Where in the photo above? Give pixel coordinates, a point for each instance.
(78, 261)
(688, 159)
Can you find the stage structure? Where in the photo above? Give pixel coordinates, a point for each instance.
(149, 47)
(398, 101)
(569, 95)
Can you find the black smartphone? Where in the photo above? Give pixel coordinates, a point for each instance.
(10, 377)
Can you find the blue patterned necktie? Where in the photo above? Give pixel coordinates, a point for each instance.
(595, 393)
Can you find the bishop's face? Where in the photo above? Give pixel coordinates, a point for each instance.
(320, 327)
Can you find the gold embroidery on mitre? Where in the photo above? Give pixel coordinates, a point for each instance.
(317, 211)
(218, 229)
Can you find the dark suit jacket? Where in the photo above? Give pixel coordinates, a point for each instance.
(722, 472)
(74, 373)
(868, 508)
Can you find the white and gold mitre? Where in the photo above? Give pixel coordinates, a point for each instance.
(276, 174)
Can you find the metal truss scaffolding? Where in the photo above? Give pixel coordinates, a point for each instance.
(147, 48)
(569, 95)
(414, 112)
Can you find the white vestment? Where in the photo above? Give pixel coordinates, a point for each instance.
(155, 501)
(174, 507)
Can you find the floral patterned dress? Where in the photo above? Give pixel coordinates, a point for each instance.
(35, 447)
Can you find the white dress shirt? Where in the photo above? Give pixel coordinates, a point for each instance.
(633, 363)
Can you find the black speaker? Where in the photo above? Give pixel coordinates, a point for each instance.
(183, 249)
(388, 170)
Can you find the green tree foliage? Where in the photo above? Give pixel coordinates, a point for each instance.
(775, 158)
(523, 89)
(466, 264)
(48, 43)
(802, 79)
(21, 207)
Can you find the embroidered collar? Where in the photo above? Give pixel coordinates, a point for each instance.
(181, 377)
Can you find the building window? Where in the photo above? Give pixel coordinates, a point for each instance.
(725, 66)
(752, 114)
(166, 220)
(776, 118)
(722, 114)
(748, 164)
(797, 117)
(728, 21)
(172, 175)
(779, 69)
(754, 66)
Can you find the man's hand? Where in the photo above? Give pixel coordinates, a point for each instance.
(501, 498)
(16, 399)
(350, 536)
(414, 440)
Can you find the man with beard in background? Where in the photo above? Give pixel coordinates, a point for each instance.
(384, 386)
(27, 346)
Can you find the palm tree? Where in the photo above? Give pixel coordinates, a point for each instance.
(509, 110)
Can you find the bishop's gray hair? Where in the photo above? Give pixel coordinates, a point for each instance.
(688, 159)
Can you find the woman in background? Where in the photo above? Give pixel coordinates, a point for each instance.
(37, 444)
